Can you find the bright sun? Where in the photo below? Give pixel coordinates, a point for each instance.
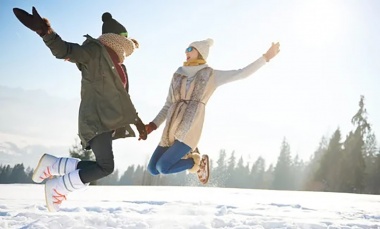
(318, 21)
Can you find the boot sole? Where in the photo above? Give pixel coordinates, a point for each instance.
(207, 168)
(40, 168)
(49, 207)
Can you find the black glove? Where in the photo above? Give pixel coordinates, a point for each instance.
(34, 22)
(141, 128)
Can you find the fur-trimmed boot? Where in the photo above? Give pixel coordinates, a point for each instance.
(201, 165)
(57, 189)
(50, 165)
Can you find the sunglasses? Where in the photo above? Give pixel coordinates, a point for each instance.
(189, 49)
(125, 34)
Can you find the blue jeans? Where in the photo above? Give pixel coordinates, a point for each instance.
(167, 160)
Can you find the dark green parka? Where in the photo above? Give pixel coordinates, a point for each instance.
(105, 104)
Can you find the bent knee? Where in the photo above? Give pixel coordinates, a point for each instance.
(153, 171)
(163, 168)
(107, 168)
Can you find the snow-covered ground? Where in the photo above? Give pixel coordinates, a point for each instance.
(23, 206)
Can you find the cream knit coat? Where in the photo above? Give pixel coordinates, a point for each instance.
(190, 89)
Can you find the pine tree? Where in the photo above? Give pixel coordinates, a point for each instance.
(283, 179)
(329, 170)
(5, 174)
(219, 174)
(269, 177)
(241, 174)
(127, 177)
(257, 174)
(298, 170)
(353, 166)
(18, 174)
(29, 174)
(2, 176)
(360, 119)
(374, 186)
(77, 151)
(230, 182)
(372, 160)
(112, 179)
(310, 183)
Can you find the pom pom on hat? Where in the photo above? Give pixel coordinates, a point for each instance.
(106, 17)
(210, 41)
(203, 46)
(110, 25)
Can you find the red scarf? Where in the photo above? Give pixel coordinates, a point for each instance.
(115, 59)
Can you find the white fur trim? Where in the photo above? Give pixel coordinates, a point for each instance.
(197, 161)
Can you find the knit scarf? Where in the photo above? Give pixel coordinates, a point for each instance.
(121, 45)
(194, 62)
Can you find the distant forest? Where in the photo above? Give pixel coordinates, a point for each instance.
(348, 164)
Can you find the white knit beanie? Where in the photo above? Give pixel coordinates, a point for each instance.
(203, 46)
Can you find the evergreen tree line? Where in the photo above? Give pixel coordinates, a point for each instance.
(339, 164)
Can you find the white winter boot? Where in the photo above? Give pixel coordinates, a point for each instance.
(57, 189)
(50, 165)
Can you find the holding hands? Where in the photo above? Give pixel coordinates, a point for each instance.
(272, 51)
(149, 128)
(141, 129)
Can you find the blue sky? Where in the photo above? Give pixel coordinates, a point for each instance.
(329, 57)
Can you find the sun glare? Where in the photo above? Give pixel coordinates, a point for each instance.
(318, 21)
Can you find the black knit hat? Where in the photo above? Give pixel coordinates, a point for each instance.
(110, 25)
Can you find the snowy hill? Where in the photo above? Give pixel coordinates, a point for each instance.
(23, 206)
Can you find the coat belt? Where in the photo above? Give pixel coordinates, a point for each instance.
(187, 101)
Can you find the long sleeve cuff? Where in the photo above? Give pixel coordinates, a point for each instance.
(48, 37)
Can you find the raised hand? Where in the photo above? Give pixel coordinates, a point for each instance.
(272, 51)
(33, 21)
